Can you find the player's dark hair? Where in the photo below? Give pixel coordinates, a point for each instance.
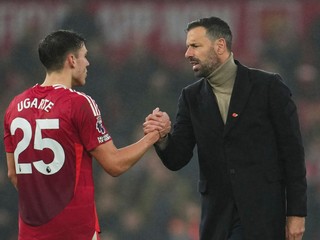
(216, 28)
(54, 48)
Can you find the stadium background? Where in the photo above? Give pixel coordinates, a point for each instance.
(136, 51)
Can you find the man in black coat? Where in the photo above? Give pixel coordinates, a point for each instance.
(246, 129)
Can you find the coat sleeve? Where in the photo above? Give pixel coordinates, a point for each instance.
(285, 121)
(179, 149)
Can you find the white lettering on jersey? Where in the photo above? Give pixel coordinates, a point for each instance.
(104, 138)
(39, 143)
(42, 104)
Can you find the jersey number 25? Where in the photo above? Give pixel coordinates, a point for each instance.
(39, 144)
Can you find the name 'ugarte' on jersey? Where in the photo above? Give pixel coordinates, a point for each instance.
(51, 131)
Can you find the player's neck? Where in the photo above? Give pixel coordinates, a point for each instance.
(55, 78)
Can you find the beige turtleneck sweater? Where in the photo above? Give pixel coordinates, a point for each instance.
(221, 81)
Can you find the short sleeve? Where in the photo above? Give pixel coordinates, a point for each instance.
(87, 117)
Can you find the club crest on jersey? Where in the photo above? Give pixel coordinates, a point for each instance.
(99, 126)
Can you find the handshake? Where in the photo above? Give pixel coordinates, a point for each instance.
(157, 121)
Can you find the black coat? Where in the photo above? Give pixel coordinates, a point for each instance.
(254, 162)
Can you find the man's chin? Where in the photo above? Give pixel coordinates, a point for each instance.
(198, 74)
(78, 83)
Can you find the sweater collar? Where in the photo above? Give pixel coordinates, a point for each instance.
(223, 77)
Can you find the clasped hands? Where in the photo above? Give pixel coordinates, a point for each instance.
(157, 121)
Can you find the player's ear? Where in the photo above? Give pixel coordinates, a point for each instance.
(71, 60)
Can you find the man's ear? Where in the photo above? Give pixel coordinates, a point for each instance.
(221, 46)
(71, 60)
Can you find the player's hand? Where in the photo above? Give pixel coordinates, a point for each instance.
(157, 121)
(153, 136)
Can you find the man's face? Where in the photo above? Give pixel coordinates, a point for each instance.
(201, 52)
(80, 73)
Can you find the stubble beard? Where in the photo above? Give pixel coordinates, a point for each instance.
(206, 70)
(209, 66)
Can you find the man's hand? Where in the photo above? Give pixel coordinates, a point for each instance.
(295, 228)
(157, 121)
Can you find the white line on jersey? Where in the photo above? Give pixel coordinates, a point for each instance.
(92, 103)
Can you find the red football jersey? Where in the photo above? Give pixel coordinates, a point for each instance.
(51, 130)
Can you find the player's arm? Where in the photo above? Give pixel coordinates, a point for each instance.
(117, 161)
(12, 169)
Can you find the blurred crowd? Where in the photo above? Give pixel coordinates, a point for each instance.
(150, 202)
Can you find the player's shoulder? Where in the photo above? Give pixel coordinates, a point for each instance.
(81, 96)
(82, 99)
(73, 94)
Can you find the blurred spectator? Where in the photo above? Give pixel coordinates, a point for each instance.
(314, 38)
(178, 230)
(8, 206)
(281, 51)
(313, 169)
(132, 85)
(160, 92)
(80, 18)
(308, 98)
(308, 101)
(307, 81)
(24, 54)
(162, 198)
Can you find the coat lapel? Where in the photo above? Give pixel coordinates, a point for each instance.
(211, 109)
(239, 97)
